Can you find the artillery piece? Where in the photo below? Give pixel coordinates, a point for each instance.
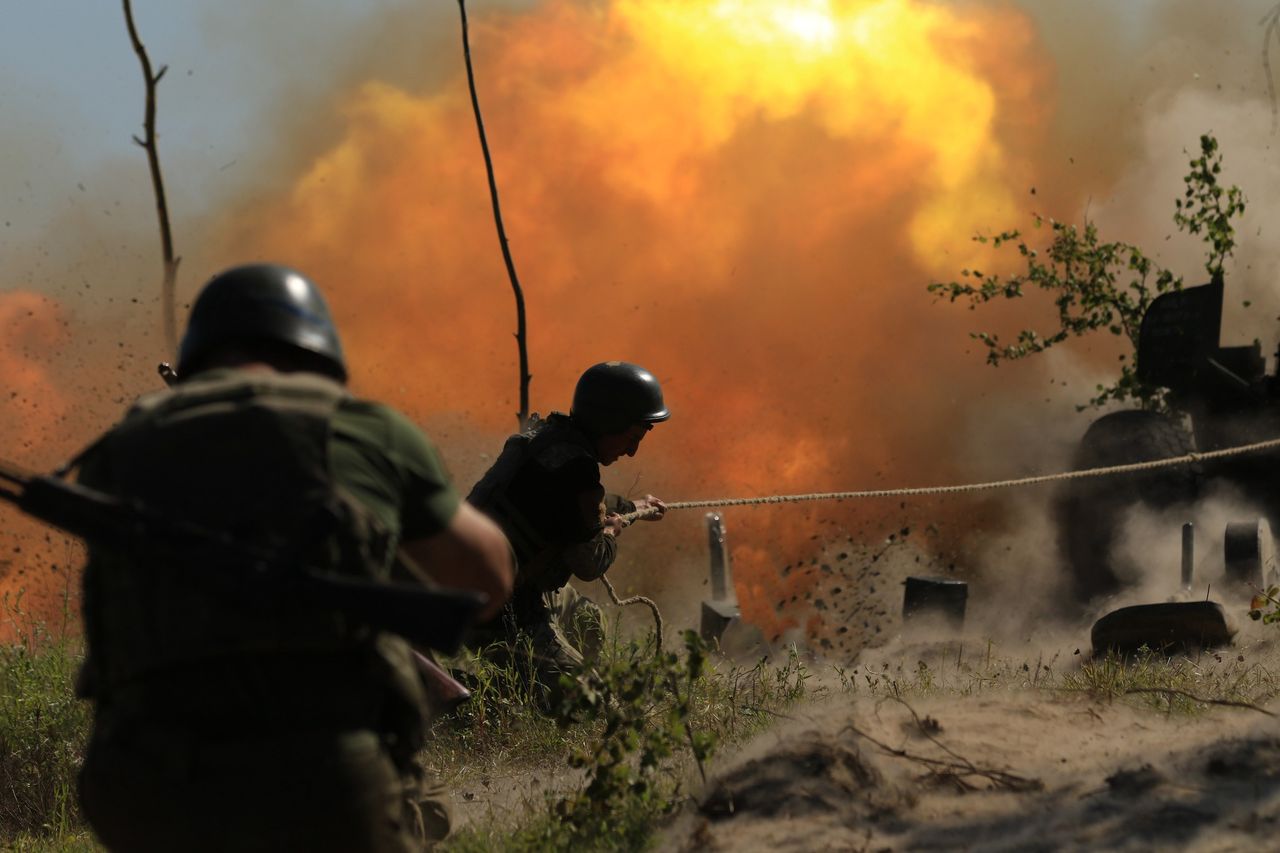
(1218, 397)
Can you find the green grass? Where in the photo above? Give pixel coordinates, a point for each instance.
(499, 727)
(1185, 685)
(1182, 684)
(81, 841)
(43, 728)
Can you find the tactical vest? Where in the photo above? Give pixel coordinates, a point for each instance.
(552, 443)
(247, 456)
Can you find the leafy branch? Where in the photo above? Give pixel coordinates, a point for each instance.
(1266, 606)
(1206, 207)
(1099, 285)
(643, 701)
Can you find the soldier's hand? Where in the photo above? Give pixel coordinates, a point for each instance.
(651, 508)
(614, 524)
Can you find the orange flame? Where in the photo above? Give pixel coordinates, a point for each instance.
(33, 412)
(746, 197)
(34, 329)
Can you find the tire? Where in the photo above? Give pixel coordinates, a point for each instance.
(1169, 627)
(1090, 512)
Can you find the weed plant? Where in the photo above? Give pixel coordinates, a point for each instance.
(43, 728)
(1188, 683)
(81, 841)
(953, 669)
(501, 726)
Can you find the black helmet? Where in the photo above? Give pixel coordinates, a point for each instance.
(261, 302)
(613, 395)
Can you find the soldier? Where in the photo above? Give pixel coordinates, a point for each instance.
(544, 491)
(223, 721)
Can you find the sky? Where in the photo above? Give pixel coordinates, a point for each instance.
(72, 97)
(747, 197)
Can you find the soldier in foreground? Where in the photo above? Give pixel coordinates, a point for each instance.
(544, 491)
(229, 720)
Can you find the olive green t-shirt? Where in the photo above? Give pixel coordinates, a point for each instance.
(379, 457)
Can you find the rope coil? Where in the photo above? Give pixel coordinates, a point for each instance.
(637, 599)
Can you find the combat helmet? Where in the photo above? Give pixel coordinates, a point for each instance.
(613, 395)
(262, 302)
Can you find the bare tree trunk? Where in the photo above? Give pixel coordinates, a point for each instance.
(1271, 21)
(168, 308)
(521, 333)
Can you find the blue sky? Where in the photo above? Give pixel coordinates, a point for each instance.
(71, 91)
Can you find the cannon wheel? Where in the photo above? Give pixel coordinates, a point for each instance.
(1090, 512)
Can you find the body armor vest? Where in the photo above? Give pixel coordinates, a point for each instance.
(249, 457)
(551, 442)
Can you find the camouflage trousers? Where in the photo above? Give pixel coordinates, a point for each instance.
(154, 790)
(545, 642)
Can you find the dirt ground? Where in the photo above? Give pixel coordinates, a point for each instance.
(1022, 770)
(972, 759)
(1001, 770)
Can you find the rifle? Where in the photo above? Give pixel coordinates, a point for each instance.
(435, 618)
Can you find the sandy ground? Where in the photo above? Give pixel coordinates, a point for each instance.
(503, 799)
(967, 766)
(1002, 770)
(1021, 771)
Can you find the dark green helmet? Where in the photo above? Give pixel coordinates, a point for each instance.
(613, 395)
(261, 303)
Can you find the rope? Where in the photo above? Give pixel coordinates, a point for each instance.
(1188, 459)
(1110, 470)
(637, 599)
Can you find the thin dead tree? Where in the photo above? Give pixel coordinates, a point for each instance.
(168, 307)
(522, 340)
(1271, 24)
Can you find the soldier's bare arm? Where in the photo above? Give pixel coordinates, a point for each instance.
(470, 553)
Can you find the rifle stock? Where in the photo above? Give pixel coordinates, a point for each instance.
(435, 618)
(444, 691)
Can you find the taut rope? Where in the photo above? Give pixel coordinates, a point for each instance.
(1129, 468)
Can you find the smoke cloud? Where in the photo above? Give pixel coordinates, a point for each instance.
(748, 198)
